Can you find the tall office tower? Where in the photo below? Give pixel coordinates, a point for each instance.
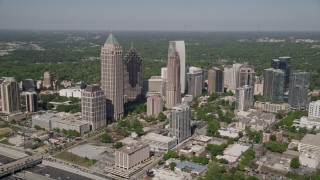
(230, 76)
(180, 122)
(258, 86)
(154, 105)
(10, 96)
(195, 81)
(215, 80)
(31, 101)
(244, 98)
(181, 49)
(48, 79)
(274, 85)
(133, 75)
(164, 74)
(112, 77)
(28, 85)
(314, 109)
(246, 76)
(173, 94)
(93, 106)
(298, 90)
(283, 63)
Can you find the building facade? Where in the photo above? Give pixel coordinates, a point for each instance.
(48, 79)
(131, 155)
(246, 76)
(132, 75)
(28, 85)
(154, 105)
(298, 90)
(180, 122)
(112, 77)
(314, 109)
(244, 98)
(31, 101)
(215, 80)
(158, 142)
(93, 106)
(10, 96)
(173, 93)
(181, 49)
(283, 63)
(274, 85)
(230, 76)
(195, 81)
(272, 107)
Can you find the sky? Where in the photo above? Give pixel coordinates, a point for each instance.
(161, 15)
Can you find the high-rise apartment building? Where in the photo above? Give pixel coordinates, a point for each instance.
(133, 75)
(180, 47)
(29, 85)
(274, 85)
(244, 98)
(154, 105)
(230, 76)
(131, 155)
(31, 101)
(173, 94)
(215, 80)
(10, 96)
(246, 76)
(195, 81)
(93, 106)
(112, 77)
(314, 109)
(48, 79)
(283, 63)
(298, 90)
(180, 122)
(164, 71)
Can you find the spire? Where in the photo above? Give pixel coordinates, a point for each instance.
(131, 44)
(112, 39)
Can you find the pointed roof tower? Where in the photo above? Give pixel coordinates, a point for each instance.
(112, 40)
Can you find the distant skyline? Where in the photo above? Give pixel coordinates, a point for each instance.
(161, 15)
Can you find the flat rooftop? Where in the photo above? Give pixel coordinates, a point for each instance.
(158, 137)
(236, 150)
(311, 139)
(130, 149)
(195, 167)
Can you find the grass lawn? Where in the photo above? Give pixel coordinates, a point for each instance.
(297, 136)
(75, 159)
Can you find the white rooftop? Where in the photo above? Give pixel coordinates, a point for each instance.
(235, 150)
(158, 137)
(311, 139)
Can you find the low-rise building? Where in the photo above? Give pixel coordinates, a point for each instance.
(131, 155)
(195, 150)
(70, 93)
(158, 142)
(310, 158)
(256, 120)
(71, 123)
(309, 142)
(233, 152)
(229, 132)
(189, 167)
(307, 122)
(272, 107)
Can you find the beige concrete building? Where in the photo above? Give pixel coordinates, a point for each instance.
(71, 123)
(158, 142)
(132, 75)
(272, 107)
(93, 106)
(10, 96)
(230, 76)
(244, 98)
(131, 155)
(48, 79)
(154, 105)
(112, 77)
(246, 76)
(173, 91)
(31, 101)
(195, 81)
(215, 80)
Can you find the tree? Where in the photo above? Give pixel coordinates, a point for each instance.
(239, 175)
(201, 160)
(276, 146)
(295, 163)
(118, 145)
(223, 161)
(183, 157)
(37, 127)
(161, 117)
(172, 165)
(273, 137)
(106, 138)
(160, 162)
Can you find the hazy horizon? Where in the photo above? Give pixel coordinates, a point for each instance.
(165, 15)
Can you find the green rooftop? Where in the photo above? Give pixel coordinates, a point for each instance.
(111, 40)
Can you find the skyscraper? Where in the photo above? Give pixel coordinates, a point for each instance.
(283, 63)
(154, 105)
(215, 80)
(48, 79)
(93, 106)
(10, 96)
(31, 101)
(298, 90)
(181, 49)
(173, 94)
(28, 85)
(180, 122)
(246, 76)
(195, 81)
(230, 76)
(274, 85)
(112, 77)
(244, 98)
(133, 75)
